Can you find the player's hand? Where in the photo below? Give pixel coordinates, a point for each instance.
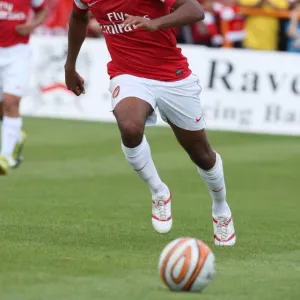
(25, 29)
(140, 22)
(74, 82)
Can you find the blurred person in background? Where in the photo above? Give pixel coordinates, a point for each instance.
(262, 32)
(207, 32)
(228, 10)
(57, 19)
(16, 27)
(293, 28)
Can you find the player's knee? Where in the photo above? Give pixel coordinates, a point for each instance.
(11, 105)
(132, 133)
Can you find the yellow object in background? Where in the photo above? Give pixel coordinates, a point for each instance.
(262, 31)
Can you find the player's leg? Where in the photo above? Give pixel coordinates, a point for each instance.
(15, 80)
(210, 167)
(184, 115)
(11, 133)
(131, 114)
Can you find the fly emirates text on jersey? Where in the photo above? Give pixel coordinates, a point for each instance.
(7, 12)
(116, 27)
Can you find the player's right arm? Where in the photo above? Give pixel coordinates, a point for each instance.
(78, 25)
(184, 12)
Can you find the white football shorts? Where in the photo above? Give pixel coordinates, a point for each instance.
(14, 70)
(178, 102)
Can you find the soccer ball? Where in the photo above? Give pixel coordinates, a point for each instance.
(187, 264)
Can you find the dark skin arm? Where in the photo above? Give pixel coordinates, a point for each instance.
(78, 26)
(185, 12)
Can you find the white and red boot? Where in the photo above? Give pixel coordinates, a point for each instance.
(161, 213)
(224, 233)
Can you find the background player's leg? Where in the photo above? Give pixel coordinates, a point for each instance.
(15, 83)
(209, 165)
(131, 114)
(11, 133)
(12, 124)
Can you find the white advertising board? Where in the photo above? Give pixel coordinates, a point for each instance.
(243, 90)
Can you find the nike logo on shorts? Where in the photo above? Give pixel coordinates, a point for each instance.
(198, 119)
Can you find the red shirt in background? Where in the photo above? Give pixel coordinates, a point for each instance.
(57, 20)
(207, 30)
(236, 26)
(13, 13)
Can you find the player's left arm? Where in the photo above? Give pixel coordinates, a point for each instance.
(40, 14)
(184, 12)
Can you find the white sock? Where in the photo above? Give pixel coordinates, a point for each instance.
(141, 161)
(215, 182)
(10, 134)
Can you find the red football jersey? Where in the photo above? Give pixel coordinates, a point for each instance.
(152, 55)
(13, 13)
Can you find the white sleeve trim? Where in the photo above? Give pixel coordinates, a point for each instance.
(80, 5)
(37, 3)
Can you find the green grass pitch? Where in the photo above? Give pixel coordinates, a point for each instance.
(76, 221)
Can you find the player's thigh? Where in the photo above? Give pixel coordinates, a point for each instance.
(133, 106)
(179, 103)
(181, 108)
(132, 110)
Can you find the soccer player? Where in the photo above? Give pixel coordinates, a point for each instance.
(15, 28)
(148, 71)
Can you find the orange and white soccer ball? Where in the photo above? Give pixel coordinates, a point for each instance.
(187, 264)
